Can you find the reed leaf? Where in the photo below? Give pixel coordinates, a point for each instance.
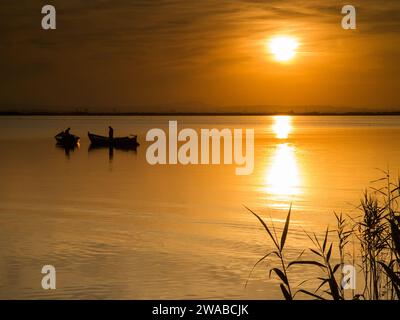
(307, 262)
(285, 229)
(395, 278)
(325, 240)
(265, 227)
(311, 294)
(285, 292)
(328, 255)
(280, 274)
(395, 232)
(256, 264)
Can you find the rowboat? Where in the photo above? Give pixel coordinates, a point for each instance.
(68, 140)
(118, 142)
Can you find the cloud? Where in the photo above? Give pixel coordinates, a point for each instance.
(180, 40)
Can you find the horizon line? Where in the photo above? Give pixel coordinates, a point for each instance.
(293, 113)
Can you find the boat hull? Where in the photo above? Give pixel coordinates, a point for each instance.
(67, 140)
(118, 142)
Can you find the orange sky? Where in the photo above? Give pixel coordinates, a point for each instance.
(209, 55)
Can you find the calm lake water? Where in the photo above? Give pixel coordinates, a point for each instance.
(121, 228)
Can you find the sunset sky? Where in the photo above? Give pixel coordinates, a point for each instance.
(209, 55)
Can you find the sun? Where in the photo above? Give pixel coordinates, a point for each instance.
(283, 48)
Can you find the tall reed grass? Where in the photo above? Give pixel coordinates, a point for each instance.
(375, 251)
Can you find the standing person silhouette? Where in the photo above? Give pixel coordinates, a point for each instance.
(110, 133)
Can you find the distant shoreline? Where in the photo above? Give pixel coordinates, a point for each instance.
(106, 114)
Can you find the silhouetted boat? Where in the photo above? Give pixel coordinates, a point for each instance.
(119, 142)
(68, 140)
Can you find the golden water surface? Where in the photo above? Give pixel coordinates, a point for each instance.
(116, 227)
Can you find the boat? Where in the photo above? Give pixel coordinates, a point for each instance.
(118, 142)
(67, 140)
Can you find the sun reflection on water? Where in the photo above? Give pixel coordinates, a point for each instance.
(282, 178)
(282, 126)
